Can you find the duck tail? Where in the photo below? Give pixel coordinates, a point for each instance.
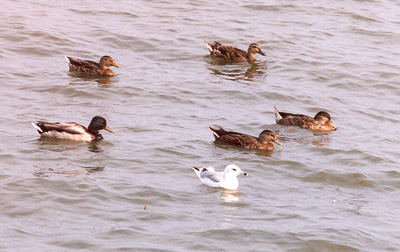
(37, 127)
(68, 59)
(278, 116)
(214, 131)
(209, 46)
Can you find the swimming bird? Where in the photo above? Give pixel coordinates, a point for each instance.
(92, 68)
(246, 141)
(232, 53)
(226, 179)
(73, 131)
(322, 120)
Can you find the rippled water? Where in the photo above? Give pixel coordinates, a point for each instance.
(135, 190)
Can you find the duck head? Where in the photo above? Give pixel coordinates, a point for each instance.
(98, 123)
(254, 48)
(268, 136)
(107, 61)
(325, 118)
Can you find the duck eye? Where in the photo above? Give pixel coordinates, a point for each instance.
(234, 169)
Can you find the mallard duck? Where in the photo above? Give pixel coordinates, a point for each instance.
(92, 68)
(73, 131)
(321, 121)
(226, 179)
(246, 141)
(232, 53)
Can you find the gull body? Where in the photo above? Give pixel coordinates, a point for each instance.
(226, 179)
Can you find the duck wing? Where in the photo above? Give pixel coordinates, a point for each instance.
(233, 138)
(238, 139)
(221, 132)
(67, 127)
(228, 52)
(83, 63)
(300, 120)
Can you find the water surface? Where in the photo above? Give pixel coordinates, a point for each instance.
(135, 191)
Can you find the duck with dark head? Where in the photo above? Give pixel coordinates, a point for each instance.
(72, 130)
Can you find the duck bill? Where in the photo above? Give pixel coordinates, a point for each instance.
(116, 65)
(109, 130)
(262, 53)
(277, 142)
(333, 125)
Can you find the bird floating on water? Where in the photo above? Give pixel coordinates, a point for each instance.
(226, 179)
(73, 131)
(263, 142)
(321, 122)
(232, 53)
(91, 68)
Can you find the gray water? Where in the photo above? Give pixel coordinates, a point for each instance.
(135, 190)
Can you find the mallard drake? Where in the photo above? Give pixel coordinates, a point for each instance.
(73, 131)
(92, 68)
(232, 53)
(226, 179)
(321, 121)
(246, 141)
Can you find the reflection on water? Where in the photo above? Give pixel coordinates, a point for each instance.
(235, 70)
(255, 70)
(80, 170)
(102, 82)
(245, 151)
(60, 145)
(320, 138)
(230, 196)
(94, 147)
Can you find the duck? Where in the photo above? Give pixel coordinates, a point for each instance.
(226, 179)
(263, 142)
(232, 53)
(72, 130)
(91, 68)
(321, 122)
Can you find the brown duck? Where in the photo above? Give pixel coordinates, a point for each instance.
(263, 142)
(321, 121)
(232, 53)
(92, 68)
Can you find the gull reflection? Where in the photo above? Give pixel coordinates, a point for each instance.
(230, 196)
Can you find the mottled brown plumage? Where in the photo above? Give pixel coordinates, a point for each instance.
(92, 68)
(232, 53)
(263, 142)
(321, 122)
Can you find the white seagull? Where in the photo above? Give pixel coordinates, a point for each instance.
(226, 179)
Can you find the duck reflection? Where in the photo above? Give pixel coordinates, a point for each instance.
(323, 139)
(58, 145)
(78, 170)
(236, 71)
(102, 82)
(95, 147)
